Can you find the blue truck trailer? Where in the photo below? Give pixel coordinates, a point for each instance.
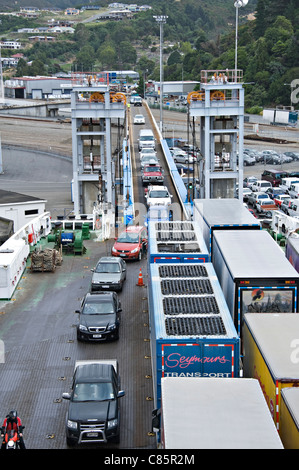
(222, 214)
(192, 332)
(254, 274)
(177, 241)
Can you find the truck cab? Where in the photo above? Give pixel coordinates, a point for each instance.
(93, 412)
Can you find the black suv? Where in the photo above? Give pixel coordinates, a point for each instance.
(93, 413)
(99, 317)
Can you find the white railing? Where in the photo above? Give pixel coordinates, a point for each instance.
(14, 252)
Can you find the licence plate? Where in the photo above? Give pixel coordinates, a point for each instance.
(122, 254)
(92, 434)
(105, 286)
(97, 336)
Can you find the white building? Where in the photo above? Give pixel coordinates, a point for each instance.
(20, 208)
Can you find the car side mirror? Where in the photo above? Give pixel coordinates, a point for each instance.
(66, 396)
(121, 393)
(77, 311)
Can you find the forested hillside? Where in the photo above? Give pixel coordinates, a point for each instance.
(198, 34)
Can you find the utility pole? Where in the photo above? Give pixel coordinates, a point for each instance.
(161, 19)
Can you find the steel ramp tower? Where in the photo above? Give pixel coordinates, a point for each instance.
(94, 107)
(218, 108)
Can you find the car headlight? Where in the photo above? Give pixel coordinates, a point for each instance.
(82, 328)
(112, 423)
(114, 250)
(112, 327)
(135, 250)
(72, 424)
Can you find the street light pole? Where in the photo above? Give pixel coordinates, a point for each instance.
(238, 4)
(161, 19)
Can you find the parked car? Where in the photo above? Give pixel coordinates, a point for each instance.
(131, 243)
(294, 174)
(274, 176)
(293, 155)
(252, 212)
(182, 167)
(109, 273)
(285, 205)
(268, 157)
(179, 156)
(265, 206)
(139, 119)
(261, 185)
(281, 198)
(294, 190)
(285, 158)
(99, 317)
(248, 160)
(256, 196)
(286, 183)
(273, 192)
(158, 195)
(246, 192)
(248, 181)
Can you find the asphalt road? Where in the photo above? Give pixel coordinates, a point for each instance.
(40, 175)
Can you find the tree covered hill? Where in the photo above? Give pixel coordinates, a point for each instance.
(198, 34)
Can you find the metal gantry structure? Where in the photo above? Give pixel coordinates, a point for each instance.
(218, 108)
(94, 107)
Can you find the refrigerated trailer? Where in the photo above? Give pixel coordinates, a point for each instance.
(214, 215)
(271, 355)
(215, 414)
(177, 241)
(254, 274)
(192, 332)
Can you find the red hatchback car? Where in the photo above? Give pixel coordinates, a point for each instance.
(131, 243)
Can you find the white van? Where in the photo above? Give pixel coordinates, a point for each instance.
(294, 190)
(287, 182)
(146, 139)
(261, 186)
(293, 209)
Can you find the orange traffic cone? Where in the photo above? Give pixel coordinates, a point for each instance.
(140, 279)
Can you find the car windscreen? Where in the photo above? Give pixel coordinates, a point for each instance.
(93, 392)
(98, 308)
(126, 237)
(152, 169)
(108, 268)
(155, 194)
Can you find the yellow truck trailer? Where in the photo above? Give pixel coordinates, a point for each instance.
(271, 355)
(289, 418)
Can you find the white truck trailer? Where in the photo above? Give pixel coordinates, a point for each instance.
(212, 413)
